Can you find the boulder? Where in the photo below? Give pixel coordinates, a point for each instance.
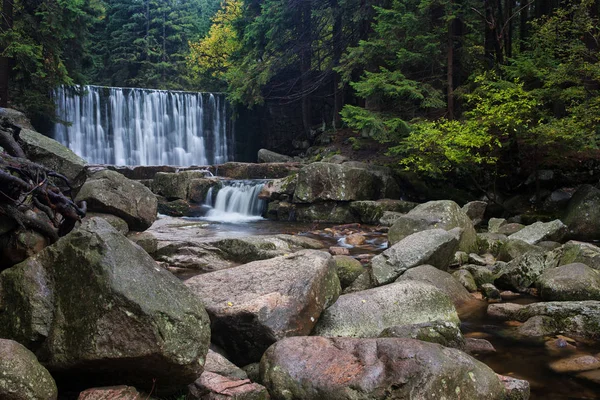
(324, 182)
(254, 305)
(118, 223)
(370, 212)
(390, 217)
(557, 200)
(176, 185)
(53, 155)
(442, 214)
(577, 318)
(198, 189)
(478, 346)
(174, 208)
(362, 282)
(386, 184)
(441, 280)
(19, 245)
(435, 247)
(480, 274)
(279, 189)
(218, 364)
(475, 210)
(583, 213)
(238, 170)
(110, 192)
(22, 377)
(445, 333)
(465, 278)
(515, 389)
(514, 248)
(510, 228)
(348, 269)
(329, 212)
(522, 272)
(97, 309)
(318, 368)
(541, 231)
(577, 363)
(495, 223)
(368, 313)
(490, 292)
(268, 156)
(569, 282)
(15, 117)
(211, 386)
(579, 252)
(111, 393)
(200, 257)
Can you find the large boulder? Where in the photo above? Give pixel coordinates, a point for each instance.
(541, 231)
(268, 156)
(370, 212)
(176, 185)
(218, 364)
(435, 247)
(441, 280)
(22, 377)
(445, 333)
(569, 282)
(524, 271)
(15, 117)
(386, 184)
(239, 170)
(368, 313)
(317, 368)
(53, 155)
(110, 192)
(324, 181)
(441, 214)
(96, 308)
(579, 252)
(330, 211)
(583, 213)
(254, 305)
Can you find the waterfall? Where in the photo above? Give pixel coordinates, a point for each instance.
(236, 201)
(125, 126)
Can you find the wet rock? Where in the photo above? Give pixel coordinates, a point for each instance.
(583, 213)
(252, 248)
(504, 311)
(110, 393)
(256, 304)
(348, 269)
(325, 181)
(540, 231)
(577, 363)
(508, 295)
(478, 346)
(339, 251)
(211, 386)
(515, 389)
(445, 333)
(239, 170)
(441, 280)
(356, 239)
(278, 189)
(174, 208)
(218, 364)
(110, 192)
(93, 286)
(442, 214)
(570, 282)
(302, 368)
(200, 257)
(268, 156)
(176, 185)
(481, 274)
(495, 223)
(559, 346)
(434, 247)
(475, 210)
(591, 376)
(22, 377)
(465, 278)
(330, 212)
(490, 292)
(368, 313)
(198, 189)
(370, 212)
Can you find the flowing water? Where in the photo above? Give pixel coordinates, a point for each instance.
(124, 126)
(235, 202)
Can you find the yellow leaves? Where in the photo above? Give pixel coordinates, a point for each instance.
(213, 53)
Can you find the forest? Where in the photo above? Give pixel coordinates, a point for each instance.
(476, 88)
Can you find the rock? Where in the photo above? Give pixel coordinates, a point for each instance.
(548, 245)
(277, 189)
(253, 371)
(465, 278)
(435, 247)
(268, 156)
(514, 248)
(478, 346)
(441, 280)
(557, 201)
(490, 292)
(363, 282)
(510, 229)
(253, 248)
(495, 223)
(339, 251)
(460, 258)
(535, 233)
(175, 208)
(218, 364)
(317, 368)
(370, 212)
(110, 192)
(578, 318)
(476, 259)
(475, 210)
(508, 295)
(481, 274)
(110, 393)
(254, 305)
(238, 170)
(390, 217)
(15, 117)
(559, 346)
(577, 363)
(53, 155)
(591, 376)
(583, 213)
(324, 181)
(198, 189)
(442, 214)
(145, 240)
(200, 257)
(490, 242)
(118, 223)
(211, 386)
(542, 176)
(515, 389)
(22, 377)
(355, 239)
(569, 282)
(368, 313)
(445, 333)
(522, 272)
(93, 286)
(579, 252)
(328, 212)
(19, 245)
(348, 269)
(176, 185)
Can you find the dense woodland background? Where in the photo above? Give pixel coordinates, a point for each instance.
(477, 89)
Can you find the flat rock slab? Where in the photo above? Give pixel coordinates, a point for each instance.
(254, 305)
(211, 386)
(317, 368)
(541, 231)
(111, 393)
(368, 313)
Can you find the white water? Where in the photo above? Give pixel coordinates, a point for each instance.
(124, 126)
(236, 202)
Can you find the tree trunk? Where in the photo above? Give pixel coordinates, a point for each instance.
(450, 74)
(7, 20)
(304, 35)
(338, 93)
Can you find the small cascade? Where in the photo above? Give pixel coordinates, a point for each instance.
(236, 201)
(124, 126)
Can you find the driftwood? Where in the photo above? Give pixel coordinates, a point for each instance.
(32, 195)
